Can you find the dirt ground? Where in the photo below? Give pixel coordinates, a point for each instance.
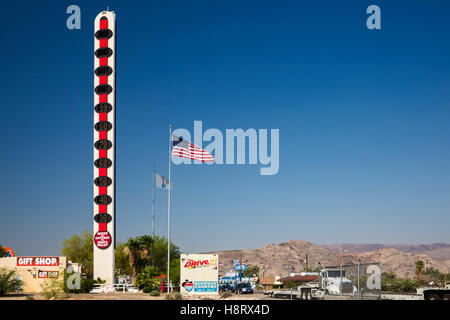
(133, 296)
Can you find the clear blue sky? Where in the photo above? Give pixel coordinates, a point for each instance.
(363, 118)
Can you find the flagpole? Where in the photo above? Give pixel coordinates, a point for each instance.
(168, 211)
(153, 218)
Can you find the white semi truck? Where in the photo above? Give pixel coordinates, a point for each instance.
(334, 282)
(331, 282)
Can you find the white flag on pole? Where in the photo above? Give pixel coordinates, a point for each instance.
(162, 182)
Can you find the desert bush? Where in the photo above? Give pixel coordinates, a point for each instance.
(394, 284)
(86, 285)
(174, 296)
(147, 289)
(53, 288)
(155, 293)
(177, 296)
(226, 295)
(147, 280)
(276, 286)
(9, 281)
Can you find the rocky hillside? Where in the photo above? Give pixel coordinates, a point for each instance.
(277, 258)
(436, 251)
(401, 263)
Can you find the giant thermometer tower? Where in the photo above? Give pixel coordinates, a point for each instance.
(104, 145)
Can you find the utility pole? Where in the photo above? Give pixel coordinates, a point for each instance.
(168, 210)
(306, 260)
(241, 262)
(359, 275)
(153, 218)
(319, 267)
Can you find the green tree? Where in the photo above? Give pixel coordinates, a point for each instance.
(175, 271)
(131, 257)
(251, 271)
(9, 281)
(140, 253)
(79, 249)
(160, 252)
(437, 276)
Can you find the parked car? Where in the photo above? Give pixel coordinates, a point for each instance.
(226, 287)
(242, 288)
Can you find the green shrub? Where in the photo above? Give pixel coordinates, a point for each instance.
(394, 284)
(147, 289)
(174, 296)
(155, 293)
(52, 288)
(9, 282)
(147, 280)
(178, 296)
(86, 285)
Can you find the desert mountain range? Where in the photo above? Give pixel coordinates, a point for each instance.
(278, 259)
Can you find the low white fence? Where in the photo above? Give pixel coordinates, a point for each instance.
(111, 288)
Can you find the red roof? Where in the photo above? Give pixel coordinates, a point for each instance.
(299, 278)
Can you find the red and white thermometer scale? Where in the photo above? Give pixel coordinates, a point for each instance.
(104, 145)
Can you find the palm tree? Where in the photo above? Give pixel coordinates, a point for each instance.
(146, 244)
(134, 247)
(419, 268)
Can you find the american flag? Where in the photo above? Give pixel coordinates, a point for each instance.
(184, 149)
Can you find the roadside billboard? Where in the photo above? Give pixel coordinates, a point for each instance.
(199, 274)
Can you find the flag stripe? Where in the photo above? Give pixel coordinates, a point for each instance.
(191, 157)
(205, 154)
(182, 151)
(185, 149)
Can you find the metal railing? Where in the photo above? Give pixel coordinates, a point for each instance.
(111, 288)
